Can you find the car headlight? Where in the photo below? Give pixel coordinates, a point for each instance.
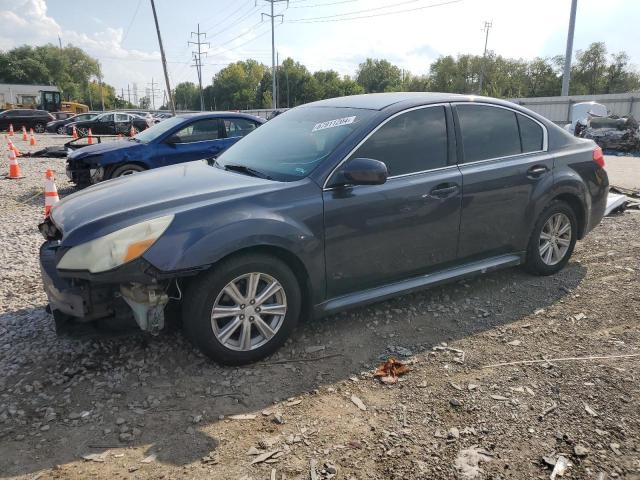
(116, 248)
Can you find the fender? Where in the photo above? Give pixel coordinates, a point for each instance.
(254, 223)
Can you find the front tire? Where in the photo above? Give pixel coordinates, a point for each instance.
(553, 239)
(126, 169)
(61, 131)
(242, 310)
(39, 128)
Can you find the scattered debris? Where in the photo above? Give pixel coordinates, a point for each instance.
(151, 458)
(243, 416)
(312, 469)
(390, 370)
(314, 349)
(264, 456)
(468, 461)
(615, 448)
(500, 398)
(580, 451)
(548, 410)
(560, 468)
(358, 403)
(565, 359)
(515, 343)
(590, 410)
(95, 457)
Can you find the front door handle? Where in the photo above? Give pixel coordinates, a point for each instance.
(444, 190)
(537, 171)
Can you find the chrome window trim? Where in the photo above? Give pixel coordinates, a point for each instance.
(545, 134)
(397, 114)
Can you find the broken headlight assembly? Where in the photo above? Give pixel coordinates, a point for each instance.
(116, 248)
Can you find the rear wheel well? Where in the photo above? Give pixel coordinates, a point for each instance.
(576, 205)
(291, 260)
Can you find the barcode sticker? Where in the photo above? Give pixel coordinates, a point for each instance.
(338, 122)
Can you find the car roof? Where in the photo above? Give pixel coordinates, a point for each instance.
(220, 115)
(380, 101)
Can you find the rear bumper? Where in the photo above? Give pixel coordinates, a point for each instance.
(599, 191)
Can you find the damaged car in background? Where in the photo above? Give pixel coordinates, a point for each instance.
(330, 205)
(613, 133)
(593, 121)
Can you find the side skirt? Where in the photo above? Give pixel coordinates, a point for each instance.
(378, 294)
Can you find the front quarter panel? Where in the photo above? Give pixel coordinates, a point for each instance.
(289, 218)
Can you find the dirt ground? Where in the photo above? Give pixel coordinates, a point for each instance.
(152, 407)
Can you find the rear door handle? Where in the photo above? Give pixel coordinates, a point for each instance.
(537, 171)
(443, 190)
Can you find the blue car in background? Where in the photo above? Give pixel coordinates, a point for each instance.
(175, 140)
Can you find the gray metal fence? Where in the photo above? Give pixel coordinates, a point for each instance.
(558, 109)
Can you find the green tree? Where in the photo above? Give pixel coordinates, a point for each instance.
(187, 96)
(235, 87)
(376, 75)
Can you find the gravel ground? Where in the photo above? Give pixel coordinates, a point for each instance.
(153, 407)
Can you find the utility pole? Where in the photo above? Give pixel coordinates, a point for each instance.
(101, 92)
(566, 76)
(272, 16)
(164, 59)
(60, 42)
(286, 74)
(277, 79)
(197, 58)
(129, 94)
(153, 94)
(487, 27)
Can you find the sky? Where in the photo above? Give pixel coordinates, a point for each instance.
(321, 34)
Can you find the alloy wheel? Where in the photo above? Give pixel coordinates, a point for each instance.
(38, 128)
(555, 239)
(249, 311)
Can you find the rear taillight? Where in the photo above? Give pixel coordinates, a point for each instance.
(598, 157)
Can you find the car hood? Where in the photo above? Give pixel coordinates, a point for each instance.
(115, 204)
(104, 147)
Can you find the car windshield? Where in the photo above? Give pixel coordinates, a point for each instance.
(291, 145)
(155, 131)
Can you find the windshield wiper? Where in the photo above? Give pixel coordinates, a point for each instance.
(247, 170)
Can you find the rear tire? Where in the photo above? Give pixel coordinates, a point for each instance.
(552, 240)
(246, 313)
(61, 131)
(39, 128)
(126, 169)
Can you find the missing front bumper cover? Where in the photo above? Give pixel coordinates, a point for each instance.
(147, 304)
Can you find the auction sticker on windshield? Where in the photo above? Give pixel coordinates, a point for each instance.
(338, 122)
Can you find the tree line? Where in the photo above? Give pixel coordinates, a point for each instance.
(247, 84)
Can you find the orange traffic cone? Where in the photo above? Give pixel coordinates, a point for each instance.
(32, 141)
(90, 138)
(11, 129)
(50, 192)
(12, 147)
(74, 133)
(24, 133)
(14, 167)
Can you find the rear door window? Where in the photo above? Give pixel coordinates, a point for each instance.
(488, 132)
(199, 131)
(412, 142)
(238, 127)
(531, 134)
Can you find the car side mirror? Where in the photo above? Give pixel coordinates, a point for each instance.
(361, 171)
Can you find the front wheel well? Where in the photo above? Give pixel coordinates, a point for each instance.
(290, 259)
(110, 168)
(576, 205)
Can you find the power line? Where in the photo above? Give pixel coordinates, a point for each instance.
(320, 20)
(228, 16)
(324, 4)
(197, 57)
(360, 11)
(131, 22)
(272, 16)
